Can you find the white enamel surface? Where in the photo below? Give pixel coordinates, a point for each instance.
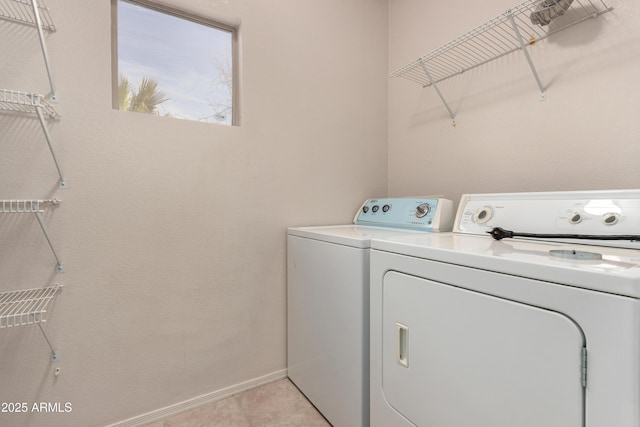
(352, 235)
(610, 322)
(478, 360)
(618, 272)
(577, 212)
(328, 323)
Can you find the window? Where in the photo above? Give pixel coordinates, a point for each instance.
(171, 63)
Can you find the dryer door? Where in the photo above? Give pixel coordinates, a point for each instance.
(454, 357)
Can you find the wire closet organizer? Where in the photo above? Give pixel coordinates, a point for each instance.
(33, 207)
(516, 29)
(29, 306)
(36, 14)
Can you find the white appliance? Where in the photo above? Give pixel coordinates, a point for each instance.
(328, 301)
(469, 331)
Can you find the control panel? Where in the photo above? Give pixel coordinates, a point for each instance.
(428, 214)
(576, 212)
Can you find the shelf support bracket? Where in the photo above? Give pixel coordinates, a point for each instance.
(435, 86)
(59, 268)
(54, 353)
(523, 47)
(52, 96)
(47, 136)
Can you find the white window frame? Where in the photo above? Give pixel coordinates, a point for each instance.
(163, 8)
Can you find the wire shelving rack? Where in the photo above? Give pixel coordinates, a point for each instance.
(21, 11)
(25, 307)
(13, 101)
(33, 207)
(28, 307)
(33, 13)
(518, 28)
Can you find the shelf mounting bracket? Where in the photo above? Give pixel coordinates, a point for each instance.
(523, 47)
(62, 183)
(54, 353)
(59, 267)
(435, 86)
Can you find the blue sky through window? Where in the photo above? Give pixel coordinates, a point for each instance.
(183, 56)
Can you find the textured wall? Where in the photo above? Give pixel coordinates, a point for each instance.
(173, 232)
(583, 136)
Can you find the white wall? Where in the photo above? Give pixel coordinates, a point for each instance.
(173, 232)
(585, 135)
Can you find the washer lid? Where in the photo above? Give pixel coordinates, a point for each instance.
(613, 270)
(358, 236)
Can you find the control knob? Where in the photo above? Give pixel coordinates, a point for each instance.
(422, 210)
(482, 215)
(575, 218)
(610, 218)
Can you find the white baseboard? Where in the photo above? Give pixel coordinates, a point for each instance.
(176, 408)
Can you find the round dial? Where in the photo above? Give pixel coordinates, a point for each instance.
(483, 215)
(610, 218)
(575, 218)
(422, 210)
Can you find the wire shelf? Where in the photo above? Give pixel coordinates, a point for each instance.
(26, 307)
(24, 206)
(23, 102)
(33, 13)
(33, 206)
(14, 101)
(500, 36)
(21, 11)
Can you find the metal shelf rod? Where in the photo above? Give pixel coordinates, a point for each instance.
(453, 117)
(523, 47)
(36, 14)
(59, 267)
(54, 353)
(47, 136)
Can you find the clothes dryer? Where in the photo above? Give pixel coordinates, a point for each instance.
(328, 301)
(538, 329)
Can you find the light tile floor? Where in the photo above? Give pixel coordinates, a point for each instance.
(277, 404)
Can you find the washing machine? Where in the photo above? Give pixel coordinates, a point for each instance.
(328, 301)
(526, 315)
